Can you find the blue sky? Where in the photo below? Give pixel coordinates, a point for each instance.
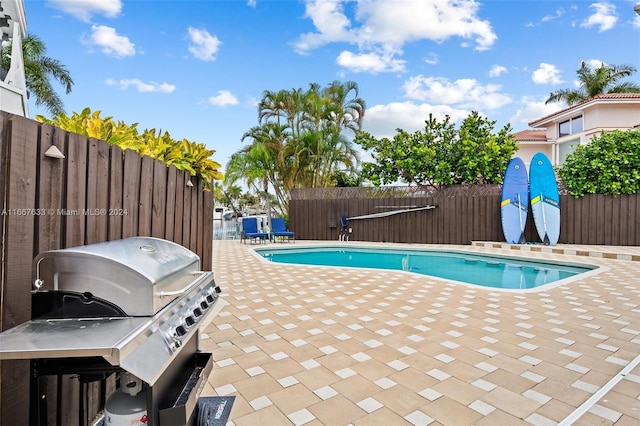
(198, 68)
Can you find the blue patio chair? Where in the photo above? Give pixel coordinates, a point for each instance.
(279, 229)
(250, 231)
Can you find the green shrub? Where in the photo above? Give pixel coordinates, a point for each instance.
(609, 165)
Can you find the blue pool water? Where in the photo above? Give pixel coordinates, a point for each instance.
(483, 270)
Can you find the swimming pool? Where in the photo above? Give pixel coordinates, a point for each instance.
(482, 270)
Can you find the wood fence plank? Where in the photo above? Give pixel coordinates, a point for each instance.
(97, 214)
(116, 179)
(145, 199)
(130, 193)
(207, 231)
(199, 219)
(193, 222)
(159, 202)
(74, 219)
(179, 210)
(186, 212)
(51, 180)
(171, 203)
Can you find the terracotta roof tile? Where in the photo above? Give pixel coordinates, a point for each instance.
(531, 135)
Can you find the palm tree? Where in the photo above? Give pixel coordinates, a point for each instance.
(595, 81)
(350, 112)
(39, 70)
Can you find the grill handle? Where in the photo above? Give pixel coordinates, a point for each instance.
(181, 291)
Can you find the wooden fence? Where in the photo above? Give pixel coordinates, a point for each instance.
(96, 193)
(461, 215)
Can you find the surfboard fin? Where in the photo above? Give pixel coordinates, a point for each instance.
(522, 239)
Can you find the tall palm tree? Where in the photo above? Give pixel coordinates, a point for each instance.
(349, 112)
(595, 81)
(39, 69)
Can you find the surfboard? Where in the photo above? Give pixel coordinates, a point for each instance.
(514, 201)
(545, 200)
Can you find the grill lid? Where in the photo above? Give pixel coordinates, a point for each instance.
(140, 275)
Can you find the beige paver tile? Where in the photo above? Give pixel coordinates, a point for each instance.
(317, 377)
(559, 373)
(556, 410)
(293, 398)
(465, 372)
(282, 368)
(381, 417)
(413, 379)
(275, 416)
(622, 403)
(589, 419)
(337, 360)
(252, 359)
(337, 410)
(400, 400)
(459, 390)
(627, 421)
(507, 380)
(254, 387)
(498, 417)
(240, 407)
(356, 388)
(229, 374)
(511, 402)
(450, 412)
(373, 369)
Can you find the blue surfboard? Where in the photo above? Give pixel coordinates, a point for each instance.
(514, 201)
(545, 200)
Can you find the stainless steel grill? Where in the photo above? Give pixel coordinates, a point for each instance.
(136, 303)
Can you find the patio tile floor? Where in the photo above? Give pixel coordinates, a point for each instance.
(331, 346)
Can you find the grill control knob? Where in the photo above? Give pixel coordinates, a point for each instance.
(210, 298)
(189, 321)
(204, 305)
(197, 312)
(180, 331)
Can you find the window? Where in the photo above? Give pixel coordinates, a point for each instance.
(567, 148)
(570, 127)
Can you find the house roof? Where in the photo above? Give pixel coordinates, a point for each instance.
(596, 99)
(531, 135)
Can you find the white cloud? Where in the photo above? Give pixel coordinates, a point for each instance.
(636, 21)
(558, 14)
(546, 74)
(110, 42)
(604, 17)
(383, 120)
(594, 63)
(203, 45)
(465, 93)
(532, 109)
(497, 70)
(370, 62)
(383, 27)
(251, 3)
(224, 97)
(141, 86)
(84, 9)
(432, 59)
